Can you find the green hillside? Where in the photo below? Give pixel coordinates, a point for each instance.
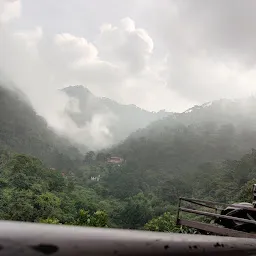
(121, 198)
(22, 130)
(200, 153)
(178, 144)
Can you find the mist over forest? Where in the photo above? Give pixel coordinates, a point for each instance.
(107, 120)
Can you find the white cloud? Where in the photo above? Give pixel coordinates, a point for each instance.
(202, 78)
(210, 46)
(9, 9)
(30, 73)
(77, 48)
(30, 39)
(182, 58)
(126, 46)
(40, 66)
(95, 134)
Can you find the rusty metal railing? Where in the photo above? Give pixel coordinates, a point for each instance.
(213, 205)
(43, 239)
(211, 228)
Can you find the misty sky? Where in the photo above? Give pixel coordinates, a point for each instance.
(156, 54)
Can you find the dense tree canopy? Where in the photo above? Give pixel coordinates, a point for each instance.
(29, 191)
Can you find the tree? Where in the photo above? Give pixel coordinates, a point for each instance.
(97, 219)
(166, 223)
(163, 223)
(89, 157)
(172, 189)
(101, 157)
(246, 192)
(55, 180)
(18, 205)
(136, 212)
(48, 205)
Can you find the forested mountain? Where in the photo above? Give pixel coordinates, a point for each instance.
(203, 152)
(22, 130)
(215, 131)
(119, 119)
(120, 198)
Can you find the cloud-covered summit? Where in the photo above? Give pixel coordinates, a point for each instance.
(158, 56)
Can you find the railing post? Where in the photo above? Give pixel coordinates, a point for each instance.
(178, 212)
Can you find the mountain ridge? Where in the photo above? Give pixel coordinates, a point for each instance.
(212, 132)
(121, 119)
(22, 130)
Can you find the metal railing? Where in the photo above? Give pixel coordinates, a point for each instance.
(44, 239)
(211, 228)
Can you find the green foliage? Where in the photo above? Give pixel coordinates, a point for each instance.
(167, 223)
(90, 157)
(136, 212)
(121, 198)
(245, 194)
(163, 223)
(18, 205)
(31, 192)
(50, 221)
(97, 219)
(48, 205)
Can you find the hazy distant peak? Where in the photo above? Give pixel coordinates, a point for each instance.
(223, 104)
(198, 107)
(78, 91)
(107, 100)
(82, 93)
(97, 115)
(76, 87)
(80, 88)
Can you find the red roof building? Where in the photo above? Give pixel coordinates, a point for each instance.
(115, 160)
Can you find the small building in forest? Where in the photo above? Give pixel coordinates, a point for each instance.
(115, 160)
(96, 178)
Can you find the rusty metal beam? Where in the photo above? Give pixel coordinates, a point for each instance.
(204, 204)
(195, 201)
(43, 239)
(217, 215)
(214, 229)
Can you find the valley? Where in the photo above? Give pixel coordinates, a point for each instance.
(206, 152)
